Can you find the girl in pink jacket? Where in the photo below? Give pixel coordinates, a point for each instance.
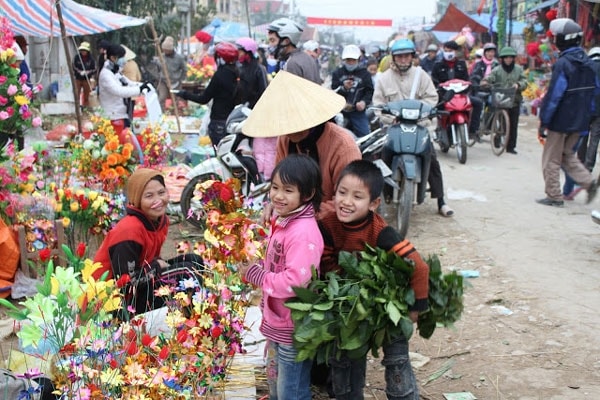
(295, 247)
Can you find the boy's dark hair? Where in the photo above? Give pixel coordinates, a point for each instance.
(304, 172)
(368, 173)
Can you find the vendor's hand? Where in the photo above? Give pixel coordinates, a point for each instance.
(516, 86)
(348, 83)
(360, 106)
(163, 264)
(145, 86)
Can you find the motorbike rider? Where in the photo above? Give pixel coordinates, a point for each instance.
(354, 83)
(283, 36)
(430, 58)
(452, 68)
(484, 67)
(224, 90)
(403, 81)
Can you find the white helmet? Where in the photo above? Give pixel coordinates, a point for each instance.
(479, 53)
(594, 53)
(351, 51)
(286, 28)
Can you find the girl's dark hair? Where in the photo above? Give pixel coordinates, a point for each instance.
(238, 90)
(304, 173)
(368, 173)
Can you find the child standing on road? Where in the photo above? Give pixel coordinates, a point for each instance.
(354, 225)
(295, 246)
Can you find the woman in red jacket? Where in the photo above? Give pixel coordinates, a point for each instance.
(131, 250)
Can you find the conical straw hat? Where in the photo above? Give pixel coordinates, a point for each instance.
(129, 54)
(291, 104)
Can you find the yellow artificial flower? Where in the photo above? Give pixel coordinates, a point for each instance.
(92, 195)
(74, 206)
(21, 100)
(112, 377)
(66, 221)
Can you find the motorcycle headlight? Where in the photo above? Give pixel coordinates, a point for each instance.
(410, 113)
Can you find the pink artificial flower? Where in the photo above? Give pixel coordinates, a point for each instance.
(226, 294)
(23, 79)
(37, 121)
(37, 88)
(3, 79)
(12, 90)
(10, 111)
(3, 101)
(3, 115)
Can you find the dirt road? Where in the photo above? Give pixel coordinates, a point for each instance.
(529, 327)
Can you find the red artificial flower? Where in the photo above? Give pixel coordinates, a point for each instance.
(123, 280)
(113, 364)
(147, 339)
(132, 348)
(85, 203)
(226, 193)
(182, 336)
(551, 14)
(216, 331)
(164, 353)
(80, 250)
(131, 335)
(45, 254)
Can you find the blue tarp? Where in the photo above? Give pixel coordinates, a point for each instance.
(484, 19)
(223, 31)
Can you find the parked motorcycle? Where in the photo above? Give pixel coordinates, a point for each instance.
(453, 126)
(406, 156)
(233, 160)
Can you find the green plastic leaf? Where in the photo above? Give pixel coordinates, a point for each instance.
(305, 295)
(294, 305)
(323, 306)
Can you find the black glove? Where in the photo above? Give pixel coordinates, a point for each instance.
(144, 86)
(183, 94)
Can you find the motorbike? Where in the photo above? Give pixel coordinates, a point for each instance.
(406, 156)
(453, 126)
(233, 160)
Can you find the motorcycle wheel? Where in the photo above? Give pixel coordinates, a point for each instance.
(462, 134)
(405, 201)
(443, 140)
(191, 209)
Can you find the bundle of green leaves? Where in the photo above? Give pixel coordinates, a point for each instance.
(369, 305)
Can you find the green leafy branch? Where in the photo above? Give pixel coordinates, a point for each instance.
(369, 305)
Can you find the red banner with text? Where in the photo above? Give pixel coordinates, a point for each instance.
(348, 21)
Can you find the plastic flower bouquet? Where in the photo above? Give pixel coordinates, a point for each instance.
(198, 73)
(15, 95)
(155, 144)
(103, 158)
(68, 300)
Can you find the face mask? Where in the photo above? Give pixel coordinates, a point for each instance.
(449, 55)
(244, 58)
(271, 49)
(121, 62)
(350, 67)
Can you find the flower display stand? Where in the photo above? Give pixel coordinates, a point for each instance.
(27, 254)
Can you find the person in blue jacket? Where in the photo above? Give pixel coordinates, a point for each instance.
(566, 111)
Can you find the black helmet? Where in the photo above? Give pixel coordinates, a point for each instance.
(567, 33)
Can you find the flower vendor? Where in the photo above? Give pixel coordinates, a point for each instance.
(131, 250)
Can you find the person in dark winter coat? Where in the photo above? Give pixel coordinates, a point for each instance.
(354, 83)
(224, 90)
(452, 68)
(84, 68)
(566, 111)
(253, 75)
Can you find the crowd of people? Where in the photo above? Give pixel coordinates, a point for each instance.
(323, 197)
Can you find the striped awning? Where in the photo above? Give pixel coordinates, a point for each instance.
(39, 18)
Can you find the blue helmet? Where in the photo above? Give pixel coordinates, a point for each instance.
(403, 46)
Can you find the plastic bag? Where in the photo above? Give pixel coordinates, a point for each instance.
(153, 106)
